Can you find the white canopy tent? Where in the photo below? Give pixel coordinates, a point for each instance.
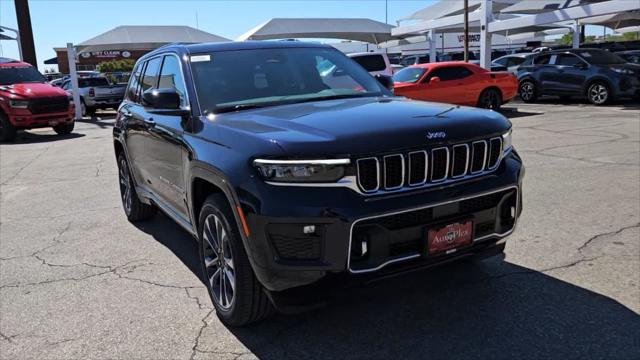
(615, 21)
(552, 13)
(365, 30)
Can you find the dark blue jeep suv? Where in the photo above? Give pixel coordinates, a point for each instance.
(294, 168)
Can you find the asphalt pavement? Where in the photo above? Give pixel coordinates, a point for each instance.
(78, 281)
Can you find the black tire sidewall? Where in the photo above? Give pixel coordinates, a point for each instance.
(237, 314)
(8, 130)
(534, 94)
(64, 129)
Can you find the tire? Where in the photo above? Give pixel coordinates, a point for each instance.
(135, 209)
(64, 129)
(7, 130)
(598, 93)
(528, 91)
(83, 108)
(490, 99)
(236, 294)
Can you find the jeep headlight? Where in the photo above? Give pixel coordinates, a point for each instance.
(622, 70)
(506, 141)
(19, 104)
(301, 171)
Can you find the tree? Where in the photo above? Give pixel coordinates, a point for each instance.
(124, 65)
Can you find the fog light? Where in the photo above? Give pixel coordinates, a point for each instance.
(309, 229)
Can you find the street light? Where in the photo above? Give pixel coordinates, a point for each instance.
(17, 38)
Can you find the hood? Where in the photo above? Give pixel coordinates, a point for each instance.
(32, 90)
(362, 126)
(630, 66)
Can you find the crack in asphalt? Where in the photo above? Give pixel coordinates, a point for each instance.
(196, 342)
(8, 338)
(610, 233)
(197, 299)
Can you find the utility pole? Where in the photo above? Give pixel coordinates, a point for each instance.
(466, 30)
(386, 11)
(25, 32)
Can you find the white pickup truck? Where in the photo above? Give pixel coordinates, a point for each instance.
(97, 93)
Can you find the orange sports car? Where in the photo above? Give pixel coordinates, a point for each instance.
(456, 82)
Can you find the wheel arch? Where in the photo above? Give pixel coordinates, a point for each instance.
(492, 87)
(595, 79)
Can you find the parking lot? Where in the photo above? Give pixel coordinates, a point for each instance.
(79, 281)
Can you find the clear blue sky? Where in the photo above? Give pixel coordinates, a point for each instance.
(57, 22)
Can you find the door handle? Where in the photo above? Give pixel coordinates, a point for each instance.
(150, 122)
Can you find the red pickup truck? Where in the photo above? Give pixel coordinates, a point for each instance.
(27, 101)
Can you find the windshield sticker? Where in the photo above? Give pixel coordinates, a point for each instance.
(200, 58)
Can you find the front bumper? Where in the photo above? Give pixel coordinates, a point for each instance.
(103, 102)
(285, 253)
(24, 119)
(628, 87)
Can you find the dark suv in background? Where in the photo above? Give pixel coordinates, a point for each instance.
(596, 74)
(291, 178)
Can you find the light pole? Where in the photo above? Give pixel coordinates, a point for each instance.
(17, 38)
(466, 30)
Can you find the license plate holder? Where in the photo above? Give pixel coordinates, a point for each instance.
(448, 237)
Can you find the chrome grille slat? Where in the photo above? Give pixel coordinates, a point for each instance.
(436, 166)
(422, 171)
(455, 160)
(388, 177)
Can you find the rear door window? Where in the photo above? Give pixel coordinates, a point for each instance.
(371, 62)
(568, 60)
(542, 60)
(92, 82)
(134, 83)
(514, 61)
(150, 77)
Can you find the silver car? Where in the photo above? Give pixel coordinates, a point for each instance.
(511, 62)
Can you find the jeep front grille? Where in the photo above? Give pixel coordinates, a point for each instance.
(391, 172)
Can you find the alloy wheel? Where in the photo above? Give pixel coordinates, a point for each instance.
(218, 261)
(526, 91)
(598, 93)
(125, 186)
(489, 100)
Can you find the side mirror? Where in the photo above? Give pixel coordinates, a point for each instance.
(165, 99)
(434, 80)
(580, 65)
(386, 81)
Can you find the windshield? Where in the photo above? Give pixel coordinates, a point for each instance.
(240, 79)
(410, 74)
(20, 74)
(601, 57)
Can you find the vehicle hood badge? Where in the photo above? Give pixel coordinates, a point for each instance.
(436, 135)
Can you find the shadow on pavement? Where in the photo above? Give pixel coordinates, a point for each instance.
(102, 120)
(27, 137)
(619, 104)
(488, 310)
(513, 112)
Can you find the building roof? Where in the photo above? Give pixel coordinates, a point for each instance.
(145, 37)
(366, 30)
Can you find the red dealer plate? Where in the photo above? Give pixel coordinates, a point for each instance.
(449, 237)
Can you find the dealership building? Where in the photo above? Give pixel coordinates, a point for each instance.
(127, 42)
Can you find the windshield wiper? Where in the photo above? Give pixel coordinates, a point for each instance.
(238, 107)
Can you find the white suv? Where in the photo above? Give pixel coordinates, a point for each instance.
(374, 63)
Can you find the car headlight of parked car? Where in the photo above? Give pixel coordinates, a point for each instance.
(303, 171)
(622, 71)
(506, 141)
(19, 104)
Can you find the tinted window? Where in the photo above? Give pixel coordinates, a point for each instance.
(567, 60)
(451, 73)
(20, 74)
(371, 62)
(501, 61)
(600, 57)
(67, 85)
(411, 60)
(231, 80)
(542, 60)
(171, 78)
(134, 83)
(150, 77)
(91, 82)
(410, 74)
(423, 59)
(515, 61)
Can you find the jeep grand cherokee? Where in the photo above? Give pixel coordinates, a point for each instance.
(293, 167)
